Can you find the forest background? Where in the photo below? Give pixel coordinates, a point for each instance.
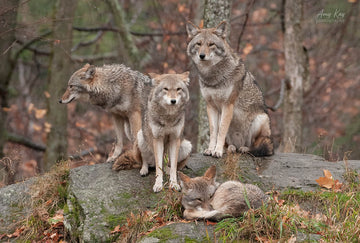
(43, 42)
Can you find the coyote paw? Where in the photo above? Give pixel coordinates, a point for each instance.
(158, 186)
(231, 149)
(111, 159)
(174, 185)
(144, 171)
(244, 150)
(217, 153)
(208, 152)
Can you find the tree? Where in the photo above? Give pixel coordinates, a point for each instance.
(60, 65)
(127, 51)
(8, 15)
(215, 11)
(296, 74)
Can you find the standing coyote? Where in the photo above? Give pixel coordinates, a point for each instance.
(203, 199)
(235, 104)
(162, 129)
(117, 89)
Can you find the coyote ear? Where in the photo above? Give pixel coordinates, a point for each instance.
(186, 79)
(210, 173)
(184, 180)
(221, 29)
(191, 29)
(153, 77)
(90, 71)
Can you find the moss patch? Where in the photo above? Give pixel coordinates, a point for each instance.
(164, 234)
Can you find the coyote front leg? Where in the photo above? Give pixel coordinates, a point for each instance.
(119, 130)
(158, 144)
(227, 112)
(213, 116)
(173, 156)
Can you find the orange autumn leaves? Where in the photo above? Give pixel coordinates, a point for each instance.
(328, 182)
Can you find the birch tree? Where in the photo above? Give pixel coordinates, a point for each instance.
(295, 69)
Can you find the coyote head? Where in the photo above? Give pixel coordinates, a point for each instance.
(207, 47)
(78, 85)
(198, 191)
(170, 89)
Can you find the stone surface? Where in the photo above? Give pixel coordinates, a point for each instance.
(181, 232)
(99, 198)
(11, 205)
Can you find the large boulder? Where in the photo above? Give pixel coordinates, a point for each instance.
(99, 198)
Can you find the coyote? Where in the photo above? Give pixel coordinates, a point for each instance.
(202, 198)
(162, 129)
(235, 104)
(117, 89)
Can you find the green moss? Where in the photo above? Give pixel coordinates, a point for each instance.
(114, 220)
(164, 234)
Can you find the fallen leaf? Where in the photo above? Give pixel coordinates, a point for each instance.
(6, 109)
(47, 127)
(247, 49)
(210, 222)
(30, 107)
(327, 181)
(116, 230)
(40, 113)
(201, 25)
(47, 94)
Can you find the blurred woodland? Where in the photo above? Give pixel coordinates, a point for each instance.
(43, 42)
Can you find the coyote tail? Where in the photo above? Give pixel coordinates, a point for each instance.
(130, 159)
(263, 146)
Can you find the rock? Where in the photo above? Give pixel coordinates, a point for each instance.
(99, 198)
(12, 208)
(181, 232)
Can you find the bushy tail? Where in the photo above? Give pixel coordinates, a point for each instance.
(131, 159)
(263, 146)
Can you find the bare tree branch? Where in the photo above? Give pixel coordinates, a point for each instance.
(112, 29)
(87, 43)
(16, 138)
(29, 43)
(249, 4)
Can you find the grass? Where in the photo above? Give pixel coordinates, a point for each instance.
(323, 215)
(48, 195)
(167, 210)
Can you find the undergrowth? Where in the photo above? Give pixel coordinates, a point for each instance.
(48, 196)
(323, 215)
(167, 210)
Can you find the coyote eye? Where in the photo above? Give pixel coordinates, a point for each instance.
(198, 43)
(178, 89)
(70, 86)
(211, 44)
(166, 89)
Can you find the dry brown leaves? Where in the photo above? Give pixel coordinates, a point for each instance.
(328, 182)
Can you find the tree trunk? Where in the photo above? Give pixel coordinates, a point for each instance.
(59, 73)
(295, 69)
(127, 50)
(8, 15)
(215, 11)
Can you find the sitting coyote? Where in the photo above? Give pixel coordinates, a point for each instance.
(117, 89)
(202, 198)
(235, 104)
(162, 130)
